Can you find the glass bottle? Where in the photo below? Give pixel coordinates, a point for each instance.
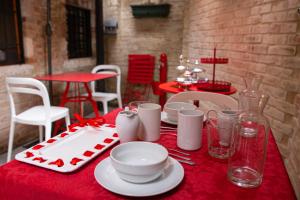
(180, 69)
(250, 137)
(188, 73)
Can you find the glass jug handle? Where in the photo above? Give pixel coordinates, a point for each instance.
(210, 119)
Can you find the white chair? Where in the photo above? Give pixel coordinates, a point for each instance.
(41, 115)
(105, 97)
(207, 100)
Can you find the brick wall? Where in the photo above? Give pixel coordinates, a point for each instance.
(144, 36)
(261, 36)
(34, 19)
(293, 161)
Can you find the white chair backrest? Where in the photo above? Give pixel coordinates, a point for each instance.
(207, 100)
(26, 86)
(108, 69)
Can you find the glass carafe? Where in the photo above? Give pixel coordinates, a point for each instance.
(250, 137)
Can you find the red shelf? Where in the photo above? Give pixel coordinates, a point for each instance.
(214, 60)
(222, 86)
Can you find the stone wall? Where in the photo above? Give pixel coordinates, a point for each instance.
(33, 21)
(260, 36)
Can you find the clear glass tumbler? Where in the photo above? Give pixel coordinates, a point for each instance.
(216, 148)
(219, 129)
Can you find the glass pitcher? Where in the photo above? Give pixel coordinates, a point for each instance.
(250, 137)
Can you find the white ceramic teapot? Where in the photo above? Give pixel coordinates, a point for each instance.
(127, 124)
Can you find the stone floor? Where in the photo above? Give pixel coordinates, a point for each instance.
(15, 151)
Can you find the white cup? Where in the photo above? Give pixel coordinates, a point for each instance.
(149, 114)
(190, 124)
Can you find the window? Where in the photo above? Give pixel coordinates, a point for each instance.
(79, 32)
(11, 43)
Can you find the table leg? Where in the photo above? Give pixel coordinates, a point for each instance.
(64, 98)
(77, 99)
(63, 101)
(93, 102)
(162, 100)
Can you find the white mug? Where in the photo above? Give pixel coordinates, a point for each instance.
(149, 114)
(190, 124)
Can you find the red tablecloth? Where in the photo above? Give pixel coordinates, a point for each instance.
(206, 180)
(171, 87)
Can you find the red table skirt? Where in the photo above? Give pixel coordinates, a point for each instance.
(206, 180)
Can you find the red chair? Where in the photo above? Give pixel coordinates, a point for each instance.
(139, 78)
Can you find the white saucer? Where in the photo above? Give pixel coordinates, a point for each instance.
(165, 119)
(106, 176)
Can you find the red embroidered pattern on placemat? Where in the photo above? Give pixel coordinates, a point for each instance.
(28, 154)
(75, 160)
(40, 159)
(88, 153)
(58, 163)
(72, 129)
(36, 147)
(115, 135)
(108, 140)
(99, 146)
(51, 140)
(63, 135)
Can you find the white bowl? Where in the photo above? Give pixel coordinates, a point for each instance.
(139, 162)
(172, 109)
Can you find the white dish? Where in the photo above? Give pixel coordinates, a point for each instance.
(165, 119)
(69, 151)
(107, 177)
(139, 162)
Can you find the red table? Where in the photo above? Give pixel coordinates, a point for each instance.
(206, 180)
(171, 87)
(76, 78)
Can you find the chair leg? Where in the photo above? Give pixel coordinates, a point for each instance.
(105, 107)
(41, 133)
(120, 101)
(67, 118)
(11, 140)
(82, 108)
(48, 128)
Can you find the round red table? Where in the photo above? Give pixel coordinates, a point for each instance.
(172, 87)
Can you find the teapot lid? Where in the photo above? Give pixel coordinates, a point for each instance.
(127, 112)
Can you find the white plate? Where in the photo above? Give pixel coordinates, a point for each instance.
(165, 119)
(106, 176)
(69, 151)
